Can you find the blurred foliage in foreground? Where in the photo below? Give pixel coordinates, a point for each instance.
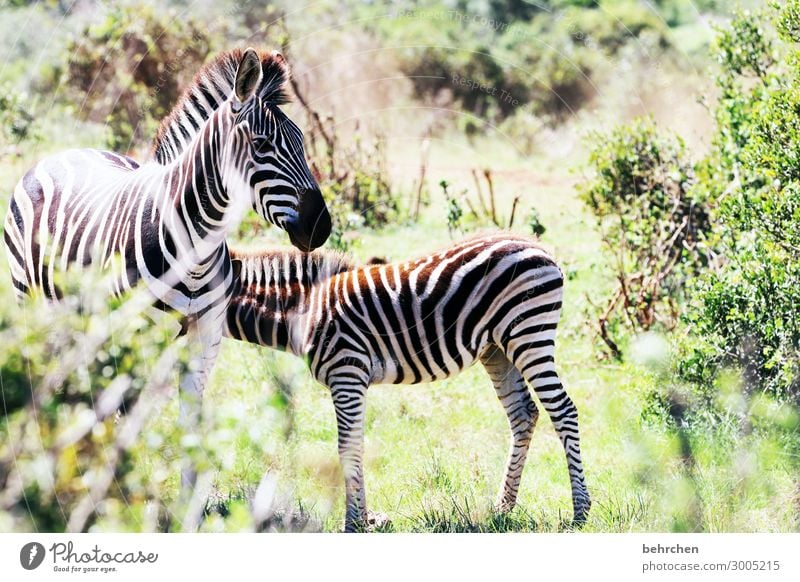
(88, 438)
(66, 370)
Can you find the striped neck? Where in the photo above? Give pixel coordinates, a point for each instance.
(206, 95)
(272, 291)
(206, 185)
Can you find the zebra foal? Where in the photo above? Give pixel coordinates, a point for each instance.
(495, 298)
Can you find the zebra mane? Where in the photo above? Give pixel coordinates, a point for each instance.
(318, 266)
(211, 86)
(324, 264)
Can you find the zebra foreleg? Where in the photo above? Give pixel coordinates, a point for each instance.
(513, 393)
(350, 400)
(536, 362)
(205, 345)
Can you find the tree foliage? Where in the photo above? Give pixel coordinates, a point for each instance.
(491, 61)
(17, 122)
(733, 272)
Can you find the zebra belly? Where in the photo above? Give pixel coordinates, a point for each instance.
(420, 366)
(409, 350)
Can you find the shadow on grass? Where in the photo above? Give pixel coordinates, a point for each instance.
(616, 515)
(464, 516)
(278, 519)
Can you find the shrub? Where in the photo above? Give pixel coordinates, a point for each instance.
(745, 314)
(353, 173)
(655, 228)
(449, 59)
(535, 225)
(613, 26)
(129, 69)
(470, 209)
(454, 211)
(17, 122)
(492, 62)
(356, 172)
(547, 68)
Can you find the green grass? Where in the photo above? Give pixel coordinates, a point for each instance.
(435, 453)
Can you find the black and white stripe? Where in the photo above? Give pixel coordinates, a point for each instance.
(496, 299)
(225, 146)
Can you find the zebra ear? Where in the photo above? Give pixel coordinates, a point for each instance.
(248, 75)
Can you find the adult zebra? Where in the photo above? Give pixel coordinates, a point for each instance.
(495, 298)
(225, 144)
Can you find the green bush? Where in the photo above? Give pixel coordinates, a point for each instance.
(353, 174)
(360, 178)
(613, 26)
(745, 313)
(490, 63)
(448, 58)
(546, 67)
(17, 121)
(654, 227)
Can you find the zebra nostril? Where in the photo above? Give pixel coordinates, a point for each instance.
(297, 235)
(312, 226)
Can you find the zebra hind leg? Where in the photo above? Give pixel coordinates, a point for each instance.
(513, 393)
(536, 362)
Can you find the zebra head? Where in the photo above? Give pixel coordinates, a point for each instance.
(284, 191)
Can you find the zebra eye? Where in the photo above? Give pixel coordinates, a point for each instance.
(262, 144)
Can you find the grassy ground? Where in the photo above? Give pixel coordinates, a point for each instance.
(435, 453)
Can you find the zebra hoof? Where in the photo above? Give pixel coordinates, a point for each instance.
(502, 507)
(373, 522)
(377, 521)
(578, 522)
(581, 513)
